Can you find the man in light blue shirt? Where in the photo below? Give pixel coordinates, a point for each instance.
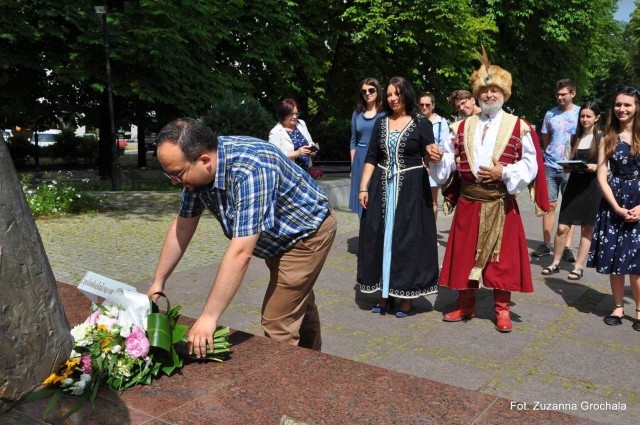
(558, 128)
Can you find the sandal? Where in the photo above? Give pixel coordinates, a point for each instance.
(576, 274)
(612, 320)
(552, 269)
(636, 323)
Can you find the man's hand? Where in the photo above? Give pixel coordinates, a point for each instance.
(435, 153)
(491, 174)
(201, 336)
(156, 286)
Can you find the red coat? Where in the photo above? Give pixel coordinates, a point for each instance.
(512, 271)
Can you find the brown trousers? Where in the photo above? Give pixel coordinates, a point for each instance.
(289, 311)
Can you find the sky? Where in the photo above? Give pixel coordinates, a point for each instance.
(625, 8)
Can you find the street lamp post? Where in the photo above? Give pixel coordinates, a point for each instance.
(115, 160)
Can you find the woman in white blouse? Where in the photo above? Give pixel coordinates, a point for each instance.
(291, 135)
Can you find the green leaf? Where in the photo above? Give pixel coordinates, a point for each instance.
(159, 331)
(52, 403)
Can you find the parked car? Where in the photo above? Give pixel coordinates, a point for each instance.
(6, 133)
(45, 138)
(150, 142)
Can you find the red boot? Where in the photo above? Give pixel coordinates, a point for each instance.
(465, 307)
(502, 300)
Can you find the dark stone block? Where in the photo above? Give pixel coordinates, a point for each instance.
(34, 332)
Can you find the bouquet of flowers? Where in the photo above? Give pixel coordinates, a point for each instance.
(124, 342)
(315, 173)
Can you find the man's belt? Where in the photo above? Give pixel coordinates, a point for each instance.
(492, 216)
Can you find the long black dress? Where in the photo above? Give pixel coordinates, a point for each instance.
(397, 252)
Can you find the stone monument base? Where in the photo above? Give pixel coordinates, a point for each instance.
(265, 380)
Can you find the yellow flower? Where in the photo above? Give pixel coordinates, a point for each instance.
(71, 364)
(104, 345)
(52, 379)
(102, 328)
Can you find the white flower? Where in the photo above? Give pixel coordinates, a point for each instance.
(125, 326)
(81, 334)
(78, 387)
(67, 382)
(123, 368)
(116, 349)
(106, 321)
(85, 377)
(54, 182)
(74, 354)
(113, 311)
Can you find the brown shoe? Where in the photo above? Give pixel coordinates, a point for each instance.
(465, 307)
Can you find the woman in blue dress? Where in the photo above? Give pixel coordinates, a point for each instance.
(368, 110)
(397, 252)
(615, 248)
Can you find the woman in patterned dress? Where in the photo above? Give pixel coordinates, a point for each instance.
(615, 248)
(291, 135)
(397, 252)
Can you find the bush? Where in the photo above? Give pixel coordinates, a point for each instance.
(58, 197)
(20, 148)
(333, 136)
(71, 148)
(239, 115)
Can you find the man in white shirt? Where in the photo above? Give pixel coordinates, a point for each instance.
(494, 157)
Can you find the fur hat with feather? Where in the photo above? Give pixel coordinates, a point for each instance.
(490, 75)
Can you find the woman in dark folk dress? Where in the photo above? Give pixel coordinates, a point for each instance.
(397, 252)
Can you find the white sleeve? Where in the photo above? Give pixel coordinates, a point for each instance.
(517, 176)
(441, 171)
(276, 138)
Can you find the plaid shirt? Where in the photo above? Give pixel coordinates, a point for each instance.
(257, 189)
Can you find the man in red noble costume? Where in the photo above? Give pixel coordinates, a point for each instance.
(492, 156)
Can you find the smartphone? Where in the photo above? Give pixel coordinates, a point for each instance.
(314, 148)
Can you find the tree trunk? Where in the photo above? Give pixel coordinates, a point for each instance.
(142, 129)
(104, 144)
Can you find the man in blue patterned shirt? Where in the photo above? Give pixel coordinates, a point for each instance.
(268, 207)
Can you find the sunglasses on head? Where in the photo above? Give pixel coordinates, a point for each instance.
(629, 91)
(370, 90)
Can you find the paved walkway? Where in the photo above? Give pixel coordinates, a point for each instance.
(560, 354)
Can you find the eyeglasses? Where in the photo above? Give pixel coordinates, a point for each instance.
(424, 105)
(630, 91)
(370, 90)
(294, 114)
(178, 177)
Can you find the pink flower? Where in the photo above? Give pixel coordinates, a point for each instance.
(137, 344)
(93, 319)
(315, 173)
(85, 364)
